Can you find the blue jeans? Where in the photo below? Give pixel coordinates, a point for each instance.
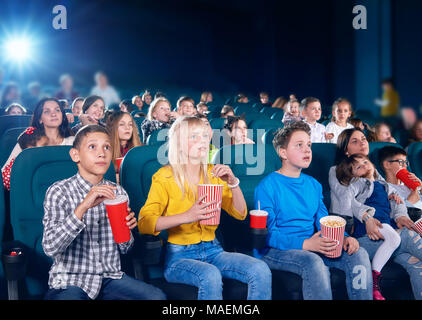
(408, 255)
(314, 270)
(204, 264)
(125, 288)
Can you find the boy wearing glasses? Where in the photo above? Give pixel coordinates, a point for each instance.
(392, 159)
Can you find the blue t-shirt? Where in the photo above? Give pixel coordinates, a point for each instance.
(379, 201)
(294, 206)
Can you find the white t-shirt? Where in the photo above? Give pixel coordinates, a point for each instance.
(317, 132)
(109, 94)
(17, 149)
(404, 192)
(332, 127)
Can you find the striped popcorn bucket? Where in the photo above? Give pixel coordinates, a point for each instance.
(335, 233)
(214, 192)
(418, 226)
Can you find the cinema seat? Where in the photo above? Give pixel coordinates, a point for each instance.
(7, 122)
(415, 158)
(157, 137)
(250, 163)
(34, 171)
(7, 142)
(323, 156)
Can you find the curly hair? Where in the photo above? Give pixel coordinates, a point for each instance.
(283, 135)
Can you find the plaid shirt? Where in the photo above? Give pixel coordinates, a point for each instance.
(83, 252)
(148, 126)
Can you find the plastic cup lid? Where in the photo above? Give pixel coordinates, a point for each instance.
(119, 199)
(259, 213)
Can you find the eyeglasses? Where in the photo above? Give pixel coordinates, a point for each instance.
(401, 162)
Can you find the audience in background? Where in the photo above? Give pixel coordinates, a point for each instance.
(292, 113)
(137, 101)
(227, 111)
(52, 122)
(66, 89)
(381, 132)
(77, 106)
(32, 96)
(390, 101)
(341, 113)
(124, 136)
(146, 98)
(238, 130)
(242, 98)
(186, 106)
(202, 108)
(159, 117)
(280, 103)
(264, 98)
(92, 112)
(104, 89)
(11, 94)
(206, 97)
(15, 109)
(126, 106)
(311, 113)
(416, 132)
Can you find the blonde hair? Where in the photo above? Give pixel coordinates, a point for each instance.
(154, 104)
(113, 127)
(178, 159)
(204, 96)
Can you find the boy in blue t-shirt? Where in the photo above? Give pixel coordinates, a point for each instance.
(295, 205)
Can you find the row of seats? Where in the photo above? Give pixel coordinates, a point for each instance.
(36, 169)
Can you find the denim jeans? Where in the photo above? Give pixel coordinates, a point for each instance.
(204, 264)
(125, 288)
(314, 270)
(408, 255)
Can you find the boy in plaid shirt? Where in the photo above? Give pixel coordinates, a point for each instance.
(77, 233)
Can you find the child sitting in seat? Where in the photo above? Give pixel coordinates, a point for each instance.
(341, 113)
(30, 138)
(77, 232)
(392, 159)
(124, 136)
(237, 130)
(311, 112)
(294, 203)
(380, 212)
(292, 113)
(381, 133)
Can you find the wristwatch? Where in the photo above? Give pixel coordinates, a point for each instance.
(366, 218)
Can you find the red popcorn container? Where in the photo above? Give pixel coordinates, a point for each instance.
(214, 192)
(117, 213)
(418, 226)
(332, 227)
(258, 219)
(403, 175)
(118, 163)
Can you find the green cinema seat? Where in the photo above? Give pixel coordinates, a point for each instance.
(414, 155)
(7, 142)
(7, 122)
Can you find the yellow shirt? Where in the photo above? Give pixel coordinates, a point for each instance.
(391, 109)
(165, 199)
